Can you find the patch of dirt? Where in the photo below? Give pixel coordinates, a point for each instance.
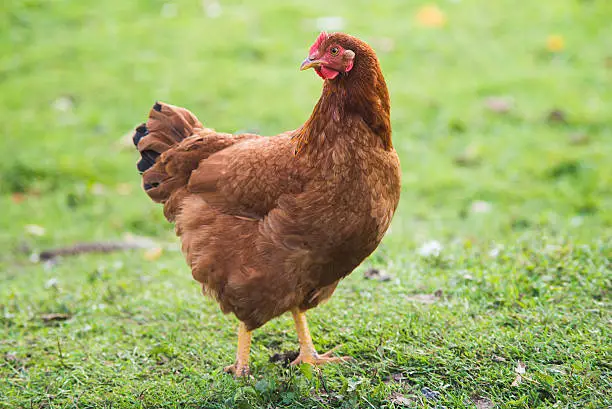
(426, 298)
(402, 400)
(375, 274)
(285, 358)
(482, 402)
(55, 317)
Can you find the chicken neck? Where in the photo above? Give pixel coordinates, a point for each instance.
(343, 102)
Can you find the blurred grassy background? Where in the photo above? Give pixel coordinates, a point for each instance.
(78, 75)
(501, 117)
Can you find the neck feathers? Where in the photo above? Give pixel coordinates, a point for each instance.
(360, 94)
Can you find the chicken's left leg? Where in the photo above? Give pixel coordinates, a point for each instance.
(308, 353)
(241, 367)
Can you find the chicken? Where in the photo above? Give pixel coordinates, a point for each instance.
(270, 225)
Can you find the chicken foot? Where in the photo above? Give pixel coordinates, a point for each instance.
(308, 353)
(241, 367)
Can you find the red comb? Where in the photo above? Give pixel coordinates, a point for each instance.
(322, 37)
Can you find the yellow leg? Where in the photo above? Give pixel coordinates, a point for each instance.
(241, 367)
(308, 353)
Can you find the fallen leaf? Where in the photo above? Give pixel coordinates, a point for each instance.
(153, 254)
(35, 230)
(469, 157)
(496, 251)
(425, 298)
(402, 400)
(430, 394)
(576, 221)
(430, 248)
(430, 16)
(162, 359)
(55, 317)
(17, 197)
(212, 9)
(285, 358)
(500, 105)
(480, 206)
(579, 138)
(482, 402)
(497, 358)
(520, 371)
(555, 43)
(124, 189)
(11, 357)
(556, 116)
(557, 369)
(375, 274)
(64, 103)
(398, 377)
(98, 189)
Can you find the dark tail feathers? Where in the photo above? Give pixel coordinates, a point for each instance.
(167, 126)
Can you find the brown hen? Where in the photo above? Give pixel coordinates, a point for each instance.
(272, 224)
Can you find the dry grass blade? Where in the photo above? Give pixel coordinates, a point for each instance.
(54, 317)
(520, 371)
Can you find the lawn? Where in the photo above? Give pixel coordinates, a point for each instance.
(495, 286)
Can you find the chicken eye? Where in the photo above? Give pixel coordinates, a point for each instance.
(334, 51)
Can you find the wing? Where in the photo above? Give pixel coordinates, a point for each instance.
(166, 181)
(249, 178)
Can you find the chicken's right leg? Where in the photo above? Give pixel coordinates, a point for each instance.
(308, 354)
(241, 367)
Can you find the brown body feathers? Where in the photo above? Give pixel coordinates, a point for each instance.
(269, 224)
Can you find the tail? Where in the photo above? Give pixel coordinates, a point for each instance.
(165, 180)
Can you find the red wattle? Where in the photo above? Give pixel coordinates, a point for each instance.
(328, 73)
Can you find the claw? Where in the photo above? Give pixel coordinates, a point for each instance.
(239, 371)
(320, 359)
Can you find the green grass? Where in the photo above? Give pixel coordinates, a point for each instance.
(526, 280)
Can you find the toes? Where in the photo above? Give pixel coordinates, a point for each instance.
(331, 351)
(339, 359)
(238, 371)
(321, 359)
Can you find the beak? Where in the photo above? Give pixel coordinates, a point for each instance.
(308, 63)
